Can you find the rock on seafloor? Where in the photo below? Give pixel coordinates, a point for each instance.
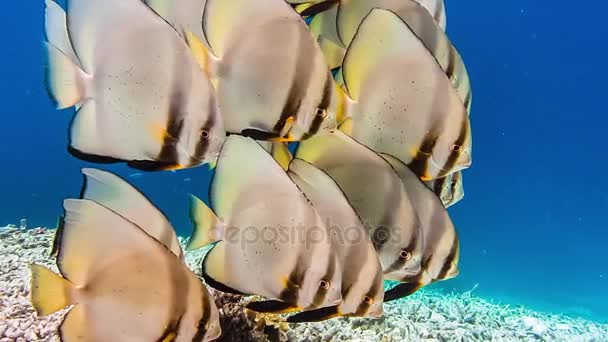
(426, 316)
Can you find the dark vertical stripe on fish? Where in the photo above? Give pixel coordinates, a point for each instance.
(58, 237)
(400, 262)
(321, 293)
(447, 263)
(201, 327)
(323, 106)
(294, 282)
(454, 155)
(373, 290)
(298, 88)
(172, 328)
(420, 162)
(205, 137)
(175, 127)
(451, 67)
(438, 186)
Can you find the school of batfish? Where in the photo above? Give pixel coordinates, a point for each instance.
(338, 131)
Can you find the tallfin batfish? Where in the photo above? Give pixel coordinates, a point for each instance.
(378, 196)
(441, 246)
(124, 285)
(416, 15)
(414, 115)
(272, 242)
(362, 277)
(272, 82)
(140, 94)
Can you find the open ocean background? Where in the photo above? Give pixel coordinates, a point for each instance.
(534, 221)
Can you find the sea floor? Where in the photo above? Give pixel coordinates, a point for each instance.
(426, 316)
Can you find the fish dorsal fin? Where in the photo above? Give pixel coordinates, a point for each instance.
(55, 26)
(379, 38)
(121, 197)
(94, 237)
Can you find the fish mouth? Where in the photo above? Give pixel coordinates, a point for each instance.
(376, 313)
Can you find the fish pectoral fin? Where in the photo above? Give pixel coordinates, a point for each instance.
(317, 315)
(289, 138)
(205, 58)
(272, 306)
(207, 227)
(400, 291)
(50, 292)
(346, 127)
(281, 153)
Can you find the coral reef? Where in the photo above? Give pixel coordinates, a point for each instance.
(426, 316)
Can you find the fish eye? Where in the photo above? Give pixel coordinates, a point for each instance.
(205, 134)
(456, 148)
(368, 300)
(453, 185)
(321, 112)
(324, 284)
(405, 255)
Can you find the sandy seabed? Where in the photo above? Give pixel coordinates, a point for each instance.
(426, 316)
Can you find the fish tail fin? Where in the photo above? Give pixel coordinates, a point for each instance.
(207, 227)
(66, 81)
(50, 292)
(204, 57)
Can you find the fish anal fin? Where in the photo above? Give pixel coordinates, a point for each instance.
(272, 306)
(317, 315)
(401, 291)
(214, 271)
(49, 291)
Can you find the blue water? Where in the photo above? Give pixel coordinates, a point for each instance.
(534, 222)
